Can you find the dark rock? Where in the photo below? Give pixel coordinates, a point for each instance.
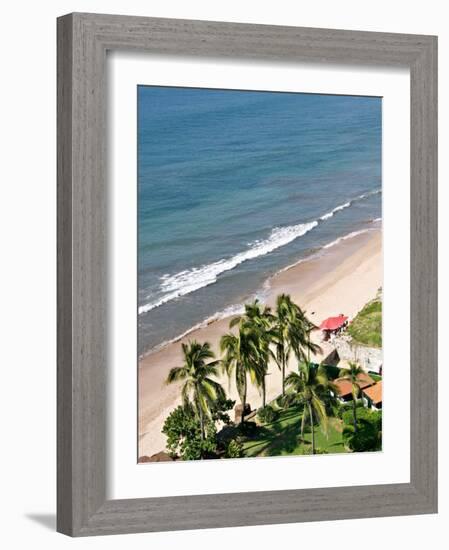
(162, 456)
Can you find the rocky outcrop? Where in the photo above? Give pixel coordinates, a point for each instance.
(162, 456)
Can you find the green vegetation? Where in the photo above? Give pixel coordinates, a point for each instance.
(241, 360)
(343, 407)
(309, 387)
(366, 328)
(267, 414)
(368, 436)
(199, 392)
(306, 418)
(353, 374)
(183, 431)
(254, 339)
(184, 437)
(219, 409)
(283, 436)
(291, 333)
(234, 449)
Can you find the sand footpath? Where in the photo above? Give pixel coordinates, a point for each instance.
(341, 279)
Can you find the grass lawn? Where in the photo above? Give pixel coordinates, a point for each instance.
(366, 328)
(283, 437)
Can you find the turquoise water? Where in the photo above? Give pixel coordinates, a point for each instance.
(235, 185)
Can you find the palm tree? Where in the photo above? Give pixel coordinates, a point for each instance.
(353, 374)
(292, 333)
(309, 385)
(199, 390)
(259, 321)
(242, 357)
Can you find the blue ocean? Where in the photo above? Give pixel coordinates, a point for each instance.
(233, 186)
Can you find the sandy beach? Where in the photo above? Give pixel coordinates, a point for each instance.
(341, 279)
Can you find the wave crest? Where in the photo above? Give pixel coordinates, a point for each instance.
(190, 280)
(335, 210)
(349, 203)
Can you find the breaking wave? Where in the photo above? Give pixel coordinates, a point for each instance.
(190, 280)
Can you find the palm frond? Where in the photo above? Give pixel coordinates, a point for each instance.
(235, 321)
(185, 394)
(176, 374)
(320, 410)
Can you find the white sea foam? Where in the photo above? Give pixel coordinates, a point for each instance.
(346, 237)
(190, 280)
(369, 194)
(335, 210)
(230, 311)
(238, 309)
(349, 203)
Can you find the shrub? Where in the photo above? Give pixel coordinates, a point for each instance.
(183, 433)
(346, 408)
(234, 449)
(373, 417)
(369, 431)
(267, 414)
(366, 439)
(219, 408)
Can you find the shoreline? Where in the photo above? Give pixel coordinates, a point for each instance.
(341, 278)
(264, 289)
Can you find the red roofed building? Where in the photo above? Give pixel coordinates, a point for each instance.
(345, 387)
(373, 395)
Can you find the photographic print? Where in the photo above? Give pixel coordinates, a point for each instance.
(259, 274)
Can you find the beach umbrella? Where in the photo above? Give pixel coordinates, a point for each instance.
(333, 323)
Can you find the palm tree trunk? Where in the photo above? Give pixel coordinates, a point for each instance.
(303, 423)
(308, 348)
(243, 403)
(202, 431)
(283, 375)
(312, 428)
(264, 392)
(354, 412)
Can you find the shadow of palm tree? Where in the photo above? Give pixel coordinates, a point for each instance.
(285, 441)
(282, 436)
(278, 438)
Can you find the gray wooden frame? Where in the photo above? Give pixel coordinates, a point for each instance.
(83, 40)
